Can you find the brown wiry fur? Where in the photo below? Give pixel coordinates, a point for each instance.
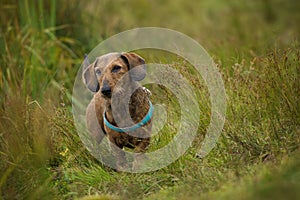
(138, 101)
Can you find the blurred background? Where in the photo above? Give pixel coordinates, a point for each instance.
(255, 45)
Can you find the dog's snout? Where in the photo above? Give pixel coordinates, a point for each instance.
(106, 90)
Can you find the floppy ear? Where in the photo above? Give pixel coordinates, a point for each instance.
(136, 66)
(88, 75)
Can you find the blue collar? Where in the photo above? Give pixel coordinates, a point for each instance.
(131, 128)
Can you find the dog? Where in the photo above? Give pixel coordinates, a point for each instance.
(120, 107)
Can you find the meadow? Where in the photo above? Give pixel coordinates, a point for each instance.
(255, 45)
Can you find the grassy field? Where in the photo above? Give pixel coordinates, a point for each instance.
(255, 45)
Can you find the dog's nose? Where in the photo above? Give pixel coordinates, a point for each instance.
(106, 90)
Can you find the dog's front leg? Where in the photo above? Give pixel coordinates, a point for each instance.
(119, 154)
(140, 153)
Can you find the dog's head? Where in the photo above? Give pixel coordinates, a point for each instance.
(105, 72)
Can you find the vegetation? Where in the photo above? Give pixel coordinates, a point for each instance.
(256, 47)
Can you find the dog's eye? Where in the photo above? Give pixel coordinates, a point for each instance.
(98, 72)
(116, 68)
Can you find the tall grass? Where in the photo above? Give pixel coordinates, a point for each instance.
(34, 59)
(33, 55)
(257, 53)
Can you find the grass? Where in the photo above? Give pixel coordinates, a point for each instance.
(42, 44)
(275, 180)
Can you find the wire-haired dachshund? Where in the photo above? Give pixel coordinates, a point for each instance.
(114, 79)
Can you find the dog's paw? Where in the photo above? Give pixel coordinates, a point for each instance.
(121, 167)
(138, 161)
